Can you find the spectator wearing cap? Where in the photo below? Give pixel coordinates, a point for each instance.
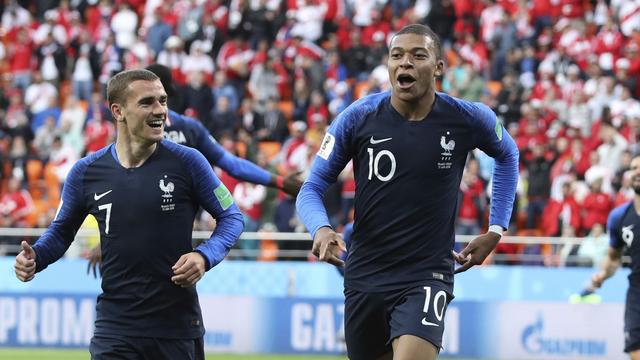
(571, 85)
(173, 57)
(623, 76)
(596, 205)
(199, 60)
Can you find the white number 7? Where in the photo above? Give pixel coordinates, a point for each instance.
(436, 302)
(108, 208)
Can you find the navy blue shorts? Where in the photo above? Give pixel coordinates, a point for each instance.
(141, 348)
(632, 320)
(373, 320)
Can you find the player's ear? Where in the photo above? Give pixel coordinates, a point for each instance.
(116, 110)
(439, 68)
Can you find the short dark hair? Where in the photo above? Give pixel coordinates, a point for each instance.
(117, 88)
(423, 30)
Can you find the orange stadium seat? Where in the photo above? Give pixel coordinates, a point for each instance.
(269, 148)
(34, 170)
(494, 87)
(287, 109)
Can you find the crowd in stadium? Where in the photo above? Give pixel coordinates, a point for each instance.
(266, 77)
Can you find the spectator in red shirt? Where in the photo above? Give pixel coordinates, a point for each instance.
(15, 204)
(596, 205)
(561, 212)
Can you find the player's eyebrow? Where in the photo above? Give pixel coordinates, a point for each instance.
(413, 49)
(150, 99)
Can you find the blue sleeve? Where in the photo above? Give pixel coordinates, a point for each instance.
(334, 153)
(614, 224)
(243, 169)
(71, 213)
(214, 197)
(216, 155)
(496, 142)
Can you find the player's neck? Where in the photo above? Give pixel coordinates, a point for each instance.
(133, 154)
(417, 110)
(636, 203)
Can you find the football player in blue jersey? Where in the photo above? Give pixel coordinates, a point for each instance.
(144, 192)
(190, 132)
(623, 225)
(409, 147)
(187, 131)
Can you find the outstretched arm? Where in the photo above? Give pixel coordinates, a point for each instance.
(237, 167)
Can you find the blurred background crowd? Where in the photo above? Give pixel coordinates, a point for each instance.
(266, 78)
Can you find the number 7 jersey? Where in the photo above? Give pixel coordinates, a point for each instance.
(407, 175)
(145, 215)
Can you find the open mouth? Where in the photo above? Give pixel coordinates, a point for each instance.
(156, 123)
(405, 81)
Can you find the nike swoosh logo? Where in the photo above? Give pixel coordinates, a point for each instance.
(97, 197)
(427, 323)
(374, 141)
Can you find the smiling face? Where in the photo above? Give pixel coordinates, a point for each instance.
(413, 66)
(142, 115)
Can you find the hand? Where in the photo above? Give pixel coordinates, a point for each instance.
(476, 251)
(25, 266)
(95, 260)
(188, 270)
(328, 246)
(292, 183)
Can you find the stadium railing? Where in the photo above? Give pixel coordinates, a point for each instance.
(531, 250)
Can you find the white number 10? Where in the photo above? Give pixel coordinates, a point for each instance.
(374, 164)
(108, 217)
(439, 300)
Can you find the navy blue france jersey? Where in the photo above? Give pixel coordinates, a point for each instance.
(407, 175)
(186, 131)
(623, 226)
(145, 217)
